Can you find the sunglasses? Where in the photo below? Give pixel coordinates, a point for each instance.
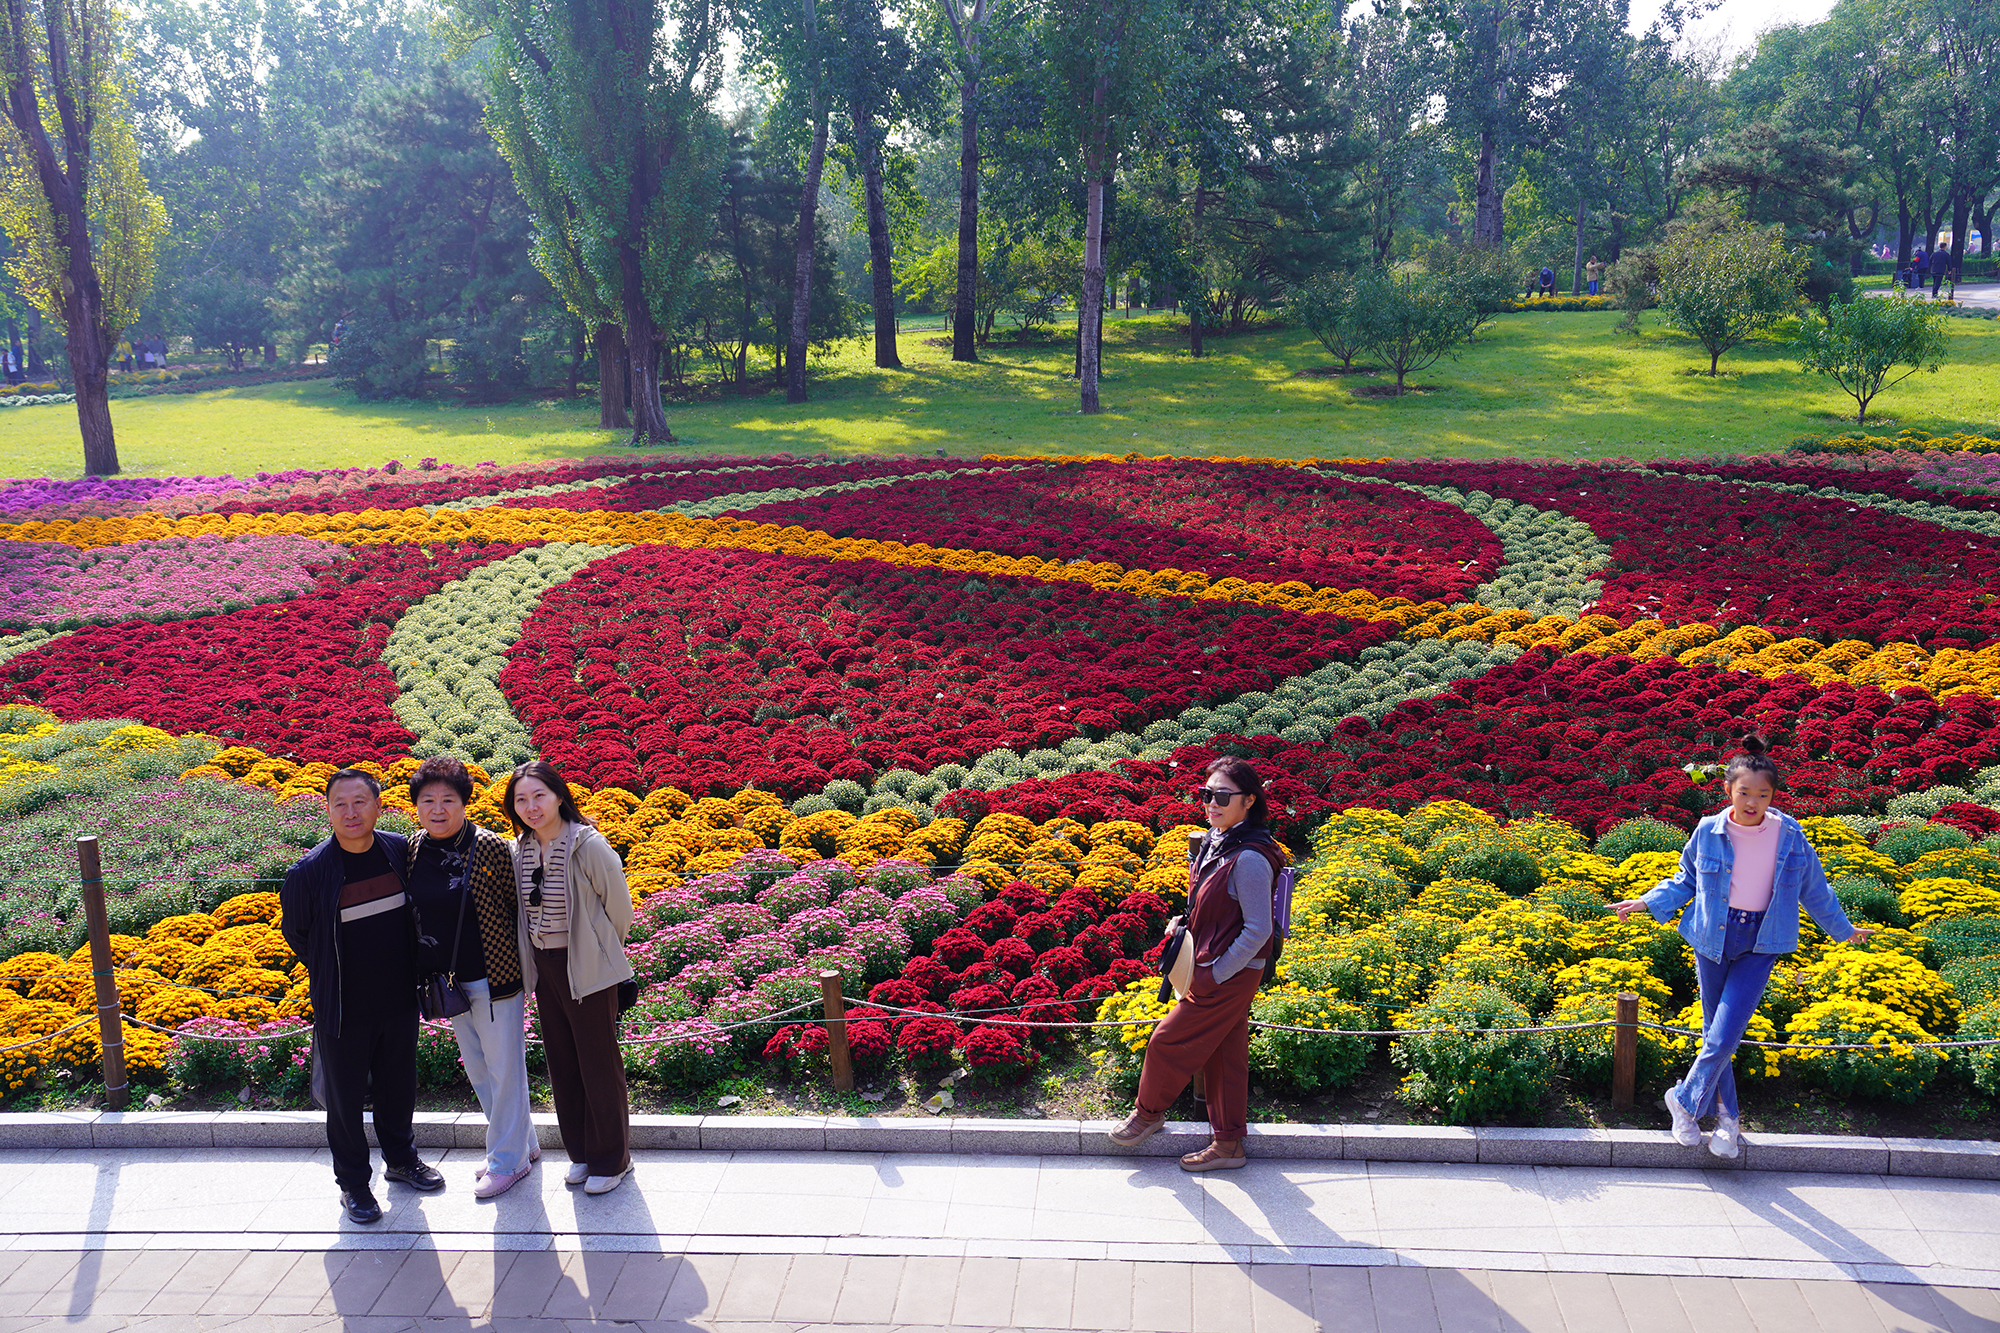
(535, 894)
(1214, 796)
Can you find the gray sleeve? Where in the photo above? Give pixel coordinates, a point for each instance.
(1250, 886)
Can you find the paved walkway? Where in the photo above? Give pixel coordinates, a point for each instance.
(178, 1240)
(1982, 294)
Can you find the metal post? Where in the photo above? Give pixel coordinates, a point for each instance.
(110, 1024)
(1625, 1050)
(836, 1031)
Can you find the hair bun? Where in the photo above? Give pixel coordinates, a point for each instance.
(1755, 744)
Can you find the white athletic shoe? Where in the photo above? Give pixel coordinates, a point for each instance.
(1727, 1140)
(603, 1184)
(578, 1173)
(1686, 1132)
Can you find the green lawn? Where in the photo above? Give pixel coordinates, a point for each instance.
(1534, 384)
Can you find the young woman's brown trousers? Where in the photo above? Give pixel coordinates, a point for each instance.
(586, 1072)
(1208, 1030)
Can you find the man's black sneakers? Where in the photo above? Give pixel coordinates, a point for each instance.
(361, 1207)
(416, 1175)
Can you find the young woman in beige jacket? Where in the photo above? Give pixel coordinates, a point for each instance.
(575, 912)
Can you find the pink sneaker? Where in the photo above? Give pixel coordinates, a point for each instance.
(534, 1155)
(492, 1186)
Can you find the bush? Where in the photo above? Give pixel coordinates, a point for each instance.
(926, 1043)
(1982, 1063)
(1904, 845)
(1640, 835)
(438, 1065)
(1307, 1062)
(1975, 980)
(1889, 1066)
(1468, 1073)
(1866, 898)
(1963, 937)
(689, 1055)
(1859, 344)
(1587, 1052)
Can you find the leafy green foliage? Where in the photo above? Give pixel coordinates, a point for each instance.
(1720, 286)
(1468, 1073)
(1639, 835)
(1859, 344)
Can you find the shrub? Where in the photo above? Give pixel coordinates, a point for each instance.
(1752, 1062)
(1982, 1063)
(1976, 981)
(792, 895)
(926, 1043)
(1893, 980)
(1308, 1062)
(1927, 900)
(1963, 937)
(685, 1055)
(1468, 1073)
(439, 1067)
(1493, 858)
(1483, 962)
(1587, 1052)
(998, 1053)
(1887, 1066)
(1905, 844)
(1868, 899)
(1640, 835)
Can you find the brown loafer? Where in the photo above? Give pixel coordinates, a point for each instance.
(1136, 1130)
(1215, 1158)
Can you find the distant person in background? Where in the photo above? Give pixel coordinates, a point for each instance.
(1594, 272)
(1548, 281)
(1941, 272)
(125, 355)
(1920, 264)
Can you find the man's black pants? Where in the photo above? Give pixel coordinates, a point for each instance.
(374, 1060)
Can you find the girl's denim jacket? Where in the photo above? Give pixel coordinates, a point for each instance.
(1702, 886)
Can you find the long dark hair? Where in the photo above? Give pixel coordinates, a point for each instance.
(1754, 761)
(544, 772)
(1243, 777)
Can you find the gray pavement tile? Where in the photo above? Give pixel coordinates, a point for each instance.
(1343, 1299)
(1710, 1302)
(1905, 1308)
(985, 1292)
(928, 1290)
(188, 1291)
(1221, 1298)
(525, 1290)
(697, 1284)
(37, 1272)
(470, 1283)
(1969, 1309)
(1163, 1297)
(1464, 1301)
(1651, 1304)
(640, 1289)
(1834, 1305)
(1103, 1298)
(300, 1290)
(418, 1283)
(1524, 1302)
(359, 1284)
(1403, 1301)
(1771, 1305)
(587, 1282)
(1044, 1292)
(1281, 1299)
(755, 1281)
(812, 1288)
(251, 1282)
(868, 1292)
(77, 1291)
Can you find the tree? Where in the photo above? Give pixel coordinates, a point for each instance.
(1483, 280)
(1391, 84)
(1104, 58)
(1859, 344)
(1720, 286)
(615, 94)
(84, 226)
(1412, 322)
(968, 20)
(1331, 307)
(229, 314)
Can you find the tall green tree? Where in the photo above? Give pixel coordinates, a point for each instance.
(1861, 344)
(73, 199)
(1722, 280)
(616, 94)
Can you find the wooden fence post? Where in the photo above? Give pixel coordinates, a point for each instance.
(110, 1024)
(1625, 1050)
(836, 1031)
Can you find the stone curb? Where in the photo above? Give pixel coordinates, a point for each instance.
(1967, 1159)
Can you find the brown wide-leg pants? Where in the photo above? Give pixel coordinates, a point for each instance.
(586, 1072)
(1208, 1030)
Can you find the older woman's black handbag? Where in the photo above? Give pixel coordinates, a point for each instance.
(439, 995)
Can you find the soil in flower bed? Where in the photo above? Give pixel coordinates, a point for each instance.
(1069, 1089)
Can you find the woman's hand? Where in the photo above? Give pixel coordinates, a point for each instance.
(1860, 934)
(1629, 906)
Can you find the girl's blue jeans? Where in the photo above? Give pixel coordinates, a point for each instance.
(1731, 990)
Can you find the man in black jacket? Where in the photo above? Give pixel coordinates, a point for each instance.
(347, 916)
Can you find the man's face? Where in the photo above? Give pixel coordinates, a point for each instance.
(352, 809)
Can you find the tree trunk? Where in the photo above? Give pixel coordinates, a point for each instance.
(575, 354)
(642, 350)
(964, 318)
(1093, 274)
(1197, 311)
(1489, 222)
(802, 267)
(1576, 273)
(882, 277)
(612, 392)
(1961, 213)
(36, 366)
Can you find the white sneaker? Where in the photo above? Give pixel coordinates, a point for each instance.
(603, 1184)
(577, 1174)
(1727, 1140)
(1686, 1132)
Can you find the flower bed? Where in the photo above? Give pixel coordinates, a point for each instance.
(934, 725)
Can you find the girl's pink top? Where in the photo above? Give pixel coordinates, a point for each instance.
(1756, 851)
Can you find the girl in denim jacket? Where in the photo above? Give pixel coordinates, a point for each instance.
(1744, 874)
